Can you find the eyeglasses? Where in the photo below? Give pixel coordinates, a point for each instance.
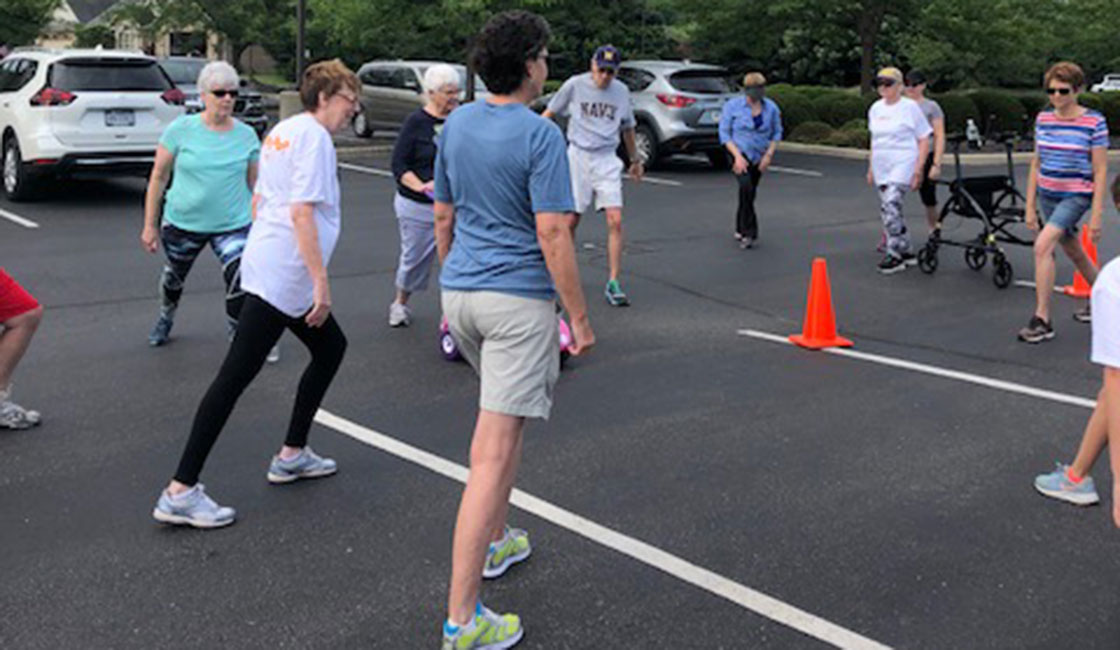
(350, 98)
(221, 93)
(1059, 91)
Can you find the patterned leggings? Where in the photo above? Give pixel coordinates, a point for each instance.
(182, 248)
(890, 209)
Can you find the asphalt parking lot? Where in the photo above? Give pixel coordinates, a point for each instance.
(756, 495)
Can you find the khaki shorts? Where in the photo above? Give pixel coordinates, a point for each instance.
(513, 344)
(595, 175)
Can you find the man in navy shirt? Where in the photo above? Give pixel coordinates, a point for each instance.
(503, 196)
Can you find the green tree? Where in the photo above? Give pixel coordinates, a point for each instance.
(21, 21)
(94, 35)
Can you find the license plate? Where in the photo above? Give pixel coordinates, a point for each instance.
(120, 117)
(710, 117)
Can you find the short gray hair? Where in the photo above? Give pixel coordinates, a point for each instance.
(217, 74)
(440, 75)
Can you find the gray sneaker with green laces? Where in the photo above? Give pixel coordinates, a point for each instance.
(615, 296)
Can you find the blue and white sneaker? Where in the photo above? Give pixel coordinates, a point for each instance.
(1057, 485)
(161, 332)
(307, 464)
(192, 508)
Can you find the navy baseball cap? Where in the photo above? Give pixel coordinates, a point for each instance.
(607, 56)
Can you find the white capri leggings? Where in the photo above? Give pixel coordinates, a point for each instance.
(418, 243)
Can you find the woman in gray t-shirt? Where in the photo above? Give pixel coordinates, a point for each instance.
(915, 90)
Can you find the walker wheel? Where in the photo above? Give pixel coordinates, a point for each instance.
(975, 258)
(927, 259)
(1003, 272)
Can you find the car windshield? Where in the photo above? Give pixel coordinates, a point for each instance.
(183, 72)
(703, 82)
(108, 74)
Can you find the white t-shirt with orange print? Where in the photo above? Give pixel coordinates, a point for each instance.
(298, 164)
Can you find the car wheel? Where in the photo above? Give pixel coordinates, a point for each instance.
(720, 159)
(645, 141)
(361, 125)
(17, 184)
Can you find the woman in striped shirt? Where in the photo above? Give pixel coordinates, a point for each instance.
(1068, 175)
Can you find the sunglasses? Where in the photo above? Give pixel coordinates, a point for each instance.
(1059, 91)
(885, 83)
(608, 71)
(220, 93)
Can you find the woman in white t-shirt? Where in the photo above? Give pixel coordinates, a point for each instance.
(899, 140)
(284, 276)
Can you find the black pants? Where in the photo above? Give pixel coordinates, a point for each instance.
(746, 221)
(258, 329)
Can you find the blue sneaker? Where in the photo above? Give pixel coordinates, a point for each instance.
(161, 332)
(307, 464)
(1056, 484)
(486, 631)
(192, 508)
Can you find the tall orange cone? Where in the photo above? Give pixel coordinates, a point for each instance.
(1080, 287)
(819, 330)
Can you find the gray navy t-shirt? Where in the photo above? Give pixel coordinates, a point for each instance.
(596, 115)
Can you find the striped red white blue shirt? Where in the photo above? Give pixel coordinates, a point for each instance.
(1065, 152)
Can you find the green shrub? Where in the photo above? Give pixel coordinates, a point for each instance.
(958, 108)
(812, 132)
(1033, 104)
(552, 85)
(1111, 101)
(1094, 101)
(999, 111)
(837, 109)
(796, 110)
(860, 139)
(858, 124)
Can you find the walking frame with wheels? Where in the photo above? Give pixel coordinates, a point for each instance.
(995, 202)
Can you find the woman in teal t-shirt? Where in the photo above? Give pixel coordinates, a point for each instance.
(214, 158)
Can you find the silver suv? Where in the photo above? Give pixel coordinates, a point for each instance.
(392, 89)
(677, 107)
(183, 70)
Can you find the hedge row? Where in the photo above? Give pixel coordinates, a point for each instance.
(824, 111)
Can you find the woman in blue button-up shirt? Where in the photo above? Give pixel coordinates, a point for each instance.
(750, 127)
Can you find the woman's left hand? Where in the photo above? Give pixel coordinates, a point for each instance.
(935, 172)
(637, 170)
(916, 181)
(764, 164)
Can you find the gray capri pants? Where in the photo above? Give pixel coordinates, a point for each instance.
(418, 243)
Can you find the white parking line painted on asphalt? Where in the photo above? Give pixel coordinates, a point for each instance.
(15, 218)
(1029, 284)
(365, 170)
(660, 181)
(998, 384)
(652, 556)
(795, 171)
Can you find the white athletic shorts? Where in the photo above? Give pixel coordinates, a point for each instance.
(1106, 316)
(595, 175)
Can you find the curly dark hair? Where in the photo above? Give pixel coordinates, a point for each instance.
(507, 41)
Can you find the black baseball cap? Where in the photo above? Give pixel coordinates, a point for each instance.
(915, 78)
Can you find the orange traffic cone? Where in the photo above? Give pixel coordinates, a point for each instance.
(1080, 287)
(819, 330)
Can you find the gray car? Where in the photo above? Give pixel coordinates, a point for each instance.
(393, 89)
(183, 70)
(677, 107)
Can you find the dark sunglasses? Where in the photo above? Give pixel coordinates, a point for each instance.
(885, 83)
(221, 93)
(1060, 91)
(609, 71)
(758, 87)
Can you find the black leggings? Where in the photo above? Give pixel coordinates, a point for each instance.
(746, 221)
(258, 329)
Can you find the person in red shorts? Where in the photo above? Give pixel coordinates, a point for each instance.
(20, 314)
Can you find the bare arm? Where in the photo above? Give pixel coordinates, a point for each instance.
(445, 228)
(307, 241)
(919, 172)
(555, 238)
(547, 114)
(938, 140)
(637, 165)
(157, 184)
(1100, 184)
(1032, 191)
(412, 181)
(1110, 396)
(251, 175)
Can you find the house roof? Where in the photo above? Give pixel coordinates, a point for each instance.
(87, 10)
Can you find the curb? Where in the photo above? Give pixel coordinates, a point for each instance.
(967, 159)
(344, 150)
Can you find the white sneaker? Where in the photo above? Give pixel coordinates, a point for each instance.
(14, 416)
(399, 315)
(273, 354)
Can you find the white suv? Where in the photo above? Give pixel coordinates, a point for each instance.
(69, 112)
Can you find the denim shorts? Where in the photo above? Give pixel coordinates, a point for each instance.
(1065, 212)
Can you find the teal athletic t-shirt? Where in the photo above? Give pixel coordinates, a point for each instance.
(210, 185)
(500, 165)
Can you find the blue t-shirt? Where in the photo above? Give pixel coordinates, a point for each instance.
(499, 165)
(210, 186)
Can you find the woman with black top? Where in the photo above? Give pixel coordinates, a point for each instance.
(413, 166)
